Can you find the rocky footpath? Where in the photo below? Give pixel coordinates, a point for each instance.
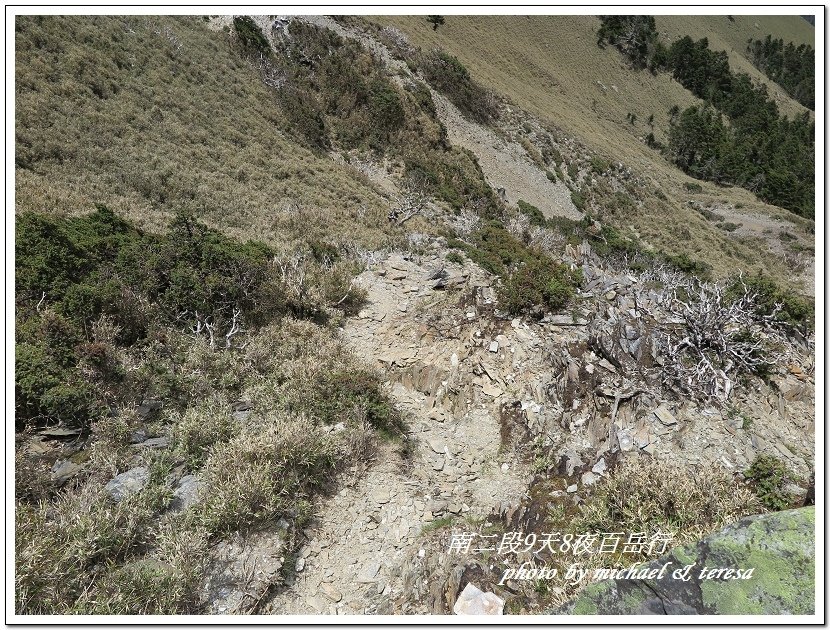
(485, 395)
(492, 403)
(354, 551)
(779, 548)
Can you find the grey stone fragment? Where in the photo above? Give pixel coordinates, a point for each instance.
(63, 471)
(128, 483)
(665, 416)
(186, 493)
(156, 442)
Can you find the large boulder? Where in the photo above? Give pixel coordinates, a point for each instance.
(779, 547)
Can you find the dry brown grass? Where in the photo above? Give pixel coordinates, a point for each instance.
(551, 67)
(646, 495)
(182, 122)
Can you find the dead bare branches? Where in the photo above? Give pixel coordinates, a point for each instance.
(292, 273)
(720, 337)
(207, 326)
(411, 202)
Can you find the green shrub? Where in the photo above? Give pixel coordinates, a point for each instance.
(533, 213)
(573, 171)
(551, 177)
(436, 21)
(455, 177)
(537, 283)
(795, 310)
(688, 265)
(48, 387)
(334, 395)
(305, 118)
(386, 108)
(494, 249)
(767, 474)
(578, 200)
(693, 187)
(454, 257)
(552, 156)
(250, 36)
(599, 164)
(449, 76)
(99, 265)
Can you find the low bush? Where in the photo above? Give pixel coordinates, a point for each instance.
(578, 200)
(250, 36)
(795, 310)
(192, 278)
(453, 176)
(450, 77)
(529, 278)
(533, 213)
(768, 474)
(599, 164)
(573, 171)
(454, 257)
(688, 265)
(338, 391)
(537, 283)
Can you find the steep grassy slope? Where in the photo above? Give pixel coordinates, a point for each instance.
(552, 67)
(724, 34)
(152, 115)
(156, 116)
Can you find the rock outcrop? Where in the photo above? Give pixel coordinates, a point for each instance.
(779, 547)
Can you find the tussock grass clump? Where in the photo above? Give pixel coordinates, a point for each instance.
(648, 495)
(200, 427)
(166, 581)
(264, 473)
(64, 546)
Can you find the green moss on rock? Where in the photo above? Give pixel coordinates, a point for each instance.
(779, 547)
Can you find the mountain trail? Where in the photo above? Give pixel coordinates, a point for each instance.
(453, 471)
